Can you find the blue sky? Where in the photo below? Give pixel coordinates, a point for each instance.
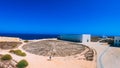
(60, 16)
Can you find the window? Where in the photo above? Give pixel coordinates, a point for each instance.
(87, 40)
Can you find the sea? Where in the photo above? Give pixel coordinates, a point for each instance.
(30, 36)
(66, 37)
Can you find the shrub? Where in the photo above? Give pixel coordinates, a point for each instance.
(26, 41)
(23, 54)
(14, 45)
(18, 52)
(22, 64)
(11, 51)
(6, 57)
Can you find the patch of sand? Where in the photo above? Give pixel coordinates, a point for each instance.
(36, 61)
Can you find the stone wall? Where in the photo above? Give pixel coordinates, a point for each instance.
(9, 39)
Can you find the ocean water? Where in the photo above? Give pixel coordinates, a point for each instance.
(66, 37)
(30, 36)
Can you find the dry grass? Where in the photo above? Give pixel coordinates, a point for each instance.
(9, 45)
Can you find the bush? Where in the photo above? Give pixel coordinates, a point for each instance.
(22, 64)
(14, 45)
(11, 51)
(6, 57)
(18, 52)
(23, 54)
(26, 41)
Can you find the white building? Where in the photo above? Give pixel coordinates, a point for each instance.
(117, 41)
(86, 38)
(77, 38)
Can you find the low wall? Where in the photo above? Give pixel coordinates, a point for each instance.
(9, 39)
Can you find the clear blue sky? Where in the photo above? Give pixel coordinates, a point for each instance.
(60, 16)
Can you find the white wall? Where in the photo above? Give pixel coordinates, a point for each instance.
(117, 41)
(86, 38)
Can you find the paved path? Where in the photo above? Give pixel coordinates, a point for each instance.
(101, 51)
(100, 57)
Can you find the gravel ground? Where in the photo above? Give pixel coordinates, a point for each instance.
(54, 48)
